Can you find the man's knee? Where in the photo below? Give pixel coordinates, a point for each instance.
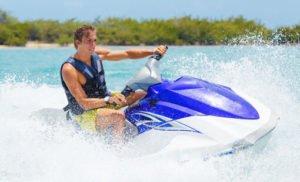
(120, 115)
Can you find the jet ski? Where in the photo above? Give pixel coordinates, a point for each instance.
(192, 115)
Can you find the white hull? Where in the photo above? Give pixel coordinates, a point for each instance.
(218, 135)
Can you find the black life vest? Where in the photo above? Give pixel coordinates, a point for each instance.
(95, 86)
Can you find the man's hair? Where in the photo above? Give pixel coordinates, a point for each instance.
(84, 30)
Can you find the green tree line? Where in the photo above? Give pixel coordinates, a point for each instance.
(126, 31)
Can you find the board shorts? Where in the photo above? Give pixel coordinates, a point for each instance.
(86, 120)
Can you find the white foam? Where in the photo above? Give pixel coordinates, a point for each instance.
(32, 149)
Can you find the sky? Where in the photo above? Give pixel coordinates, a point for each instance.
(271, 13)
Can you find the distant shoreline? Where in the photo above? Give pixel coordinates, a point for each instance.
(36, 45)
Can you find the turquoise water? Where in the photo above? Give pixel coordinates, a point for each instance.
(34, 150)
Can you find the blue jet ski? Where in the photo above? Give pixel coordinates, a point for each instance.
(192, 115)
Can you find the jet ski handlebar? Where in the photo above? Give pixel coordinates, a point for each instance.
(147, 76)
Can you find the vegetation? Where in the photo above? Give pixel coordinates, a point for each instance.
(175, 31)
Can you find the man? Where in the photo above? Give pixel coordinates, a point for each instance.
(82, 77)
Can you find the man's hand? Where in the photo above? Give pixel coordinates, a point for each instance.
(117, 99)
(160, 50)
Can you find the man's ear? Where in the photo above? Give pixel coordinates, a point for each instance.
(77, 42)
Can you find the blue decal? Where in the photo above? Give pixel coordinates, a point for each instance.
(145, 121)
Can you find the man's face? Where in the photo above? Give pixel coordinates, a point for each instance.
(88, 43)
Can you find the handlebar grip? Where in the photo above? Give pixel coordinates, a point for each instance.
(158, 56)
(126, 92)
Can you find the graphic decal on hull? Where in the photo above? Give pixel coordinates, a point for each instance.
(145, 121)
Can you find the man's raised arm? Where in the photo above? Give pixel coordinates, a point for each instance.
(112, 55)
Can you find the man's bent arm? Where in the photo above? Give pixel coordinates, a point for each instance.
(70, 77)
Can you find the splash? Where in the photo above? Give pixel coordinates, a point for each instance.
(34, 149)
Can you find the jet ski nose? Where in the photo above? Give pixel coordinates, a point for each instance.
(203, 97)
(223, 102)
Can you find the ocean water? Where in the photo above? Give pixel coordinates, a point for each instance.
(36, 148)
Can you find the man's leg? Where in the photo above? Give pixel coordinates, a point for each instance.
(110, 117)
(116, 118)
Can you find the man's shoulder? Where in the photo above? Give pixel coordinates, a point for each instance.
(69, 73)
(68, 67)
